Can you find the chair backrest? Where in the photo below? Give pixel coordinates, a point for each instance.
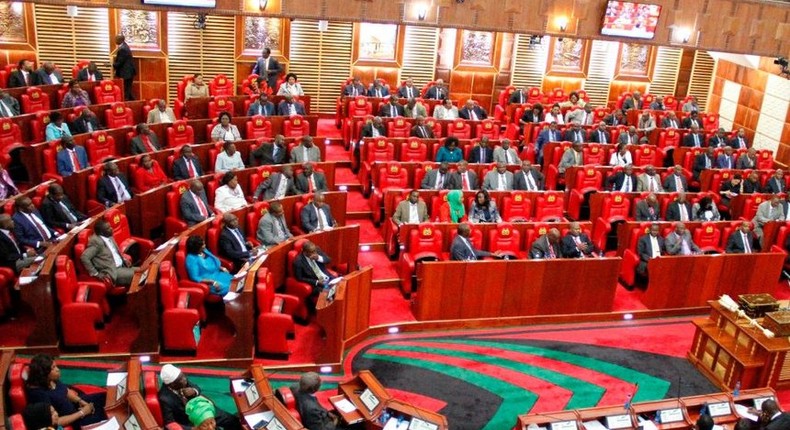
(379, 150)
(504, 238)
(549, 206)
(119, 224)
(414, 150)
(765, 159)
(151, 387)
(107, 92)
(399, 127)
(425, 239)
(296, 126)
(259, 127)
(708, 235)
(221, 86)
(360, 106)
(35, 100)
(17, 375)
(174, 198)
(65, 280)
(220, 104)
(38, 126)
(100, 146)
(182, 86)
(588, 179)
(516, 206)
(10, 135)
(594, 153)
(393, 175)
(180, 133)
(168, 285)
(118, 115)
(254, 216)
(460, 129)
(487, 128)
(616, 207)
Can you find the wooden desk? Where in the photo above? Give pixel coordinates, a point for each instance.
(545, 419)
(197, 108)
(694, 404)
(134, 408)
(6, 358)
(506, 288)
(347, 315)
(240, 311)
(652, 411)
(117, 395)
(603, 414)
(264, 400)
(690, 281)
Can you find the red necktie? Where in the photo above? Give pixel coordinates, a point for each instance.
(13, 239)
(190, 169)
(74, 160)
(309, 184)
(465, 181)
(551, 251)
(43, 233)
(148, 143)
(201, 206)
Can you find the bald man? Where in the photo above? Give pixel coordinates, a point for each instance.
(546, 246)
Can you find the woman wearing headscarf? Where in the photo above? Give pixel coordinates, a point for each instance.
(201, 413)
(453, 209)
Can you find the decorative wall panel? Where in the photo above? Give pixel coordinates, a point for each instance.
(601, 71)
(773, 113)
(141, 28)
(419, 54)
(701, 77)
(728, 106)
(529, 62)
(13, 27)
(665, 73)
(263, 32)
(64, 40)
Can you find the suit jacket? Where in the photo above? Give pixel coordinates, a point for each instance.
(735, 143)
(269, 187)
(401, 215)
(17, 79)
(298, 156)
(569, 159)
(65, 167)
(385, 110)
(12, 104)
(124, 62)
(735, 243)
(518, 96)
(189, 209)
(230, 248)
(491, 180)
(425, 133)
(54, 214)
(775, 186)
(10, 253)
(314, 416)
(460, 250)
(669, 183)
(268, 109)
(632, 104)
(83, 75)
(458, 183)
(628, 139)
(180, 170)
(616, 182)
(721, 161)
(80, 125)
(433, 93)
(138, 147)
(688, 140)
(429, 180)
(27, 234)
(643, 211)
(700, 164)
(98, 259)
(266, 233)
(613, 120)
(570, 135)
(349, 90)
(310, 217)
(765, 213)
(173, 408)
(42, 77)
(520, 182)
(718, 142)
(418, 110)
(645, 249)
(303, 272)
(383, 91)
(779, 423)
(546, 136)
(106, 193)
(476, 156)
(686, 122)
(744, 162)
(499, 155)
(595, 136)
(540, 248)
(665, 123)
(301, 182)
(367, 130)
(643, 183)
(569, 249)
(467, 113)
(264, 155)
(155, 116)
(750, 187)
(283, 109)
(272, 72)
(673, 243)
(403, 92)
(673, 211)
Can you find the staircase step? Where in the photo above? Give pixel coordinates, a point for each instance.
(386, 283)
(349, 187)
(373, 247)
(359, 215)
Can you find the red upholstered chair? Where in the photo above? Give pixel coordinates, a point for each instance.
(118, 115)
(182, 86)
(750, 206)
(421, 171)
(535, 95)
(550, 206)
(487, 128)
(3, 79)
(630, 257)
(287, 398)
(123, 235)
(218, 105)
(246, 85)
(587, 180)
(765, 159)
(460, 129)
(259, 127)
(173, 222)
(62, 93)
(708, 237)
(648, 99)
(670, 103)
(398, 127)
(646, 154)
(100, 147)
(621, 99)
(180, 133)
(516, 207)
(360, 106)
(81, 64)
(221, 86)
(300, 290)
(296, 126)
(594, 153)
(259, 176)
(34, 100)
(710, 121)
(507, 240)
(275, 321)
(599, 114)
(150, 391)
(16, 421)
(183, 277)
(669, 138)
(38, 126)
(107, 92)
(50, 153)
(182, 311)
(82, 305)
(17, 393)
(424, 243)
(212, 243)
(393, 176)
(254, 215)
(378, 150)
(557, 96)
(10, 136)
(414, 150)
(435, 125)
(7, 281)
(615, 208)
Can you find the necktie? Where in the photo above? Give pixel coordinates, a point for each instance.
(13, 240)
(507, 157)
(282, 227)
(472, 255)
(260, 109)
(310, 184)
(578, 242)
(696, 140)
(627, 184)
(354, 91)
(683, 213)
(27, 78)
(68, 213)
(291, 109)
(482, 155)
(729, 162)
(707, 163)
(464, 181)
(321, 276)
(740, 143)
(473, 115)
(651, 211)
(502, 183)
(684, 246)
(378, 92)
(74, 160)
(6, 111)
(88, 126)
(275, 151)
(747, 249)
(320, 221)
(190, 168)
(551, 250)
(601, 137)
(578, 136)
(119, 189)
(393, 111)
(678, 184)
(239, 239)
(652, 186)
(408, 92)
(530, 183)
(42, 231)
(422, 131)
(201, 206)
(521, 97)
(439, 181)
(265, 67)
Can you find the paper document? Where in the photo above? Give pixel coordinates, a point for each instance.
(240, 274)
(563, 425)
(418, 424)
(259, 419)
(392, 424)
(345, 406)
(39, 258)
(111, 424)
(593, 425)
(115, 378)
(24, 280)
(239, 385)
(334, 281)
(743, 411)
(230, 296)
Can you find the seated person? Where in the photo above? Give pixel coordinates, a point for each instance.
(262, 106)
(648, 247)
(76, 96)
(149, 175)
(378, 89)
(767, 211)
(272, 227)
(481, 153)
(774, 418)
(201, 413)
(483, 209)
(306, 151)
(554, 115)
(91, 73)
(646, 123)
(104, 260)
(506, 153)
(575, 133)
(175, 394)
(310, 267)
(187, 166)
(257, 86)
(57, 127)
(676, 182)
(658, 103)
(374, 128)
(196, 88)
(747, 160)
(289, 107)
(691, 105)
(531, 116)
(229, 196)
(225, 131)
(741, 241)
(113, 188)
(462, 248)
(499, 179)
(648, 209)
(452, 209)
(194, 204)
(617, 117)
(391, 109)
(472, 111)
(621, 157)
(85, 123)
(290, 86)
(519, 96)
(13, 254)
(437, 91)
(23, 76)
(205, 268)
(40, 416)
(414, 109)
(679, 241)
(730, 189)
(573, 101)
(232, 244)
(162, 114)
(705, 210)
(310, 181)
(29, 227)
(577, 244)
(582, 116)
(704, 161)
(704, 422)
(547, 246)
(438, 179)
(408, 90)
(629, 138)
(228, 159)
(680, 209)
(269, 153)
(465, 178)
(71, 158)
(420, 129)
(355, 88)
(670, 120)
(445, 110)
(528, 178)
(449, 152)
(571, 157)
(411, 211)
(277, 185)
(649, 181)
(740, 141)
(776, 183)
(74, 409)
(57, 210)
(317, 215)
(9, 106)
(624, 181)
(314, 416)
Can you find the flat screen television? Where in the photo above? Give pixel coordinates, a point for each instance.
(627, 19)
(182, 3)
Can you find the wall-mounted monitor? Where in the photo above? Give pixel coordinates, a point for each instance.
(627, 19)
(182, 3)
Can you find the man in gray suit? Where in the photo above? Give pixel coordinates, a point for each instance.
(411, 211)
(498, 179)
(309, 180)
(505, 153)
(679, 242)
(676, 182)
(528, 178)
(145, 141)
(194, 204)
(272, 228)
(546, 246)
(571, 157)
(317, 216)
(103, 259)
(462, 248)
(306, 151)
(649, 181)
(277, 186)
(464, 178)
(648, 209)
(629, 138)
(439, 179)
(769, 210)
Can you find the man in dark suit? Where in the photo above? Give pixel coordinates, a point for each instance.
(437, 91)
(232, 244)
(471, 111)
(317, 215)
(421, 130)
(187, 165)
(262, 106)
(528, 178)
(692, 120)
(776, 184)
(577, 244)
(91, 73)
(624, 181)
(741, 241)
(676, 181)
(71, 158)
(176, 390)
(719, 140)
(575, 133)
(648, 209)
(726, 160)
(310, 267)
(546, 246)
(289, 107)
(752, 183)
(194, 204)
(12, 253)
(85, 123)
(680, 209)
(391, 109)
(519, 96)
(670, 120)
(378, 90)
(740, 141)
(773, 417)
(550, 134)
(113, 188)
(103, 258)
(355, 88)
(462, 248)
(314, 416)
(30, 229)
(9, 106)
(310, 181)
(616, 118)
(47, 74)
(648, 247)
(463, 178)
(268, 68)
(124, 66)
(268, 153)
(145, 141)
(438, 179)
(408, 90)
(482, 153)
(601, 134)
(377, 124)
(277, 185)
(704, 161)
(23, 76)
(57, 210)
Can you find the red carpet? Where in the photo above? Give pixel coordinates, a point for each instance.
(625, 300)
(368, 233)
(356, 203)
(383, 267)
(387, 306)
(344, 176)
(336, 152)
(326, 128)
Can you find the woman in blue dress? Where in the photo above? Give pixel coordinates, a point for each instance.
(449, 152)
(204, 267)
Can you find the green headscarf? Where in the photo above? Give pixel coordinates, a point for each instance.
(199, 409)
(455, 199)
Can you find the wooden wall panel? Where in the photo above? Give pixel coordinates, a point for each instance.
(368, 73)
(475, 85)
(419, 54)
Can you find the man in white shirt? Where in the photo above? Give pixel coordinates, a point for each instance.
(411, 211)
(498, 179)
(317, 216)
(103, 258)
